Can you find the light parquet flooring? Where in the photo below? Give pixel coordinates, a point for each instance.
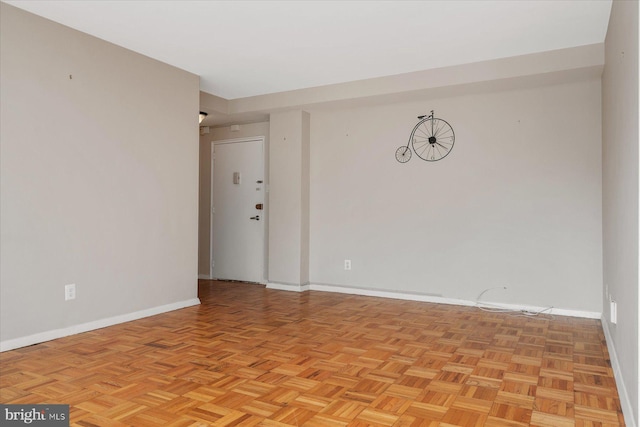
(256, 357)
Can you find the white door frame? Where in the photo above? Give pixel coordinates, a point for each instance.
(265, 202)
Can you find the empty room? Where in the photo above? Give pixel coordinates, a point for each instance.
(319, 213)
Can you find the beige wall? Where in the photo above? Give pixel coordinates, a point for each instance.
(620, 194)
(204, 231)
(549, 65)
(288, 198)
(305, 196)
(517, 203)
(99, 176)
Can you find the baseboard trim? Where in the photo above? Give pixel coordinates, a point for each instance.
(547, 310)
(90, 326)
(204, 277)
(625, 400)
(291, 287)
(410, 296)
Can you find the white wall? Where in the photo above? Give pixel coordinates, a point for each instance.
(288, 197)
(517, 203)
(99, 175)
(620, 197)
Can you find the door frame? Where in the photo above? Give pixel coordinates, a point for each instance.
(265, 202)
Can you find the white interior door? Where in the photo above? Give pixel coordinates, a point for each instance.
(237, 228)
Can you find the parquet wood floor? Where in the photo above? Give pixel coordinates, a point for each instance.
(255, 357)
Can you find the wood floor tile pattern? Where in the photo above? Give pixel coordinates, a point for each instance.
(249, 356)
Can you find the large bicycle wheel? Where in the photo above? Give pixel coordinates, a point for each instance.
(432, 139)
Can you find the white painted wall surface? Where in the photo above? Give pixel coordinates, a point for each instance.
(620, 197)
(305, 186)
(99, 179)
(287, 188)
(517, 203)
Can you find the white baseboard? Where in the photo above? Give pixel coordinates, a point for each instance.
(409, 296)
(291, 287)
(546, 310)
(90, 326)
(625, 400)
(387, 294)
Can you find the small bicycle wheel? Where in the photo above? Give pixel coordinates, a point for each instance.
(432, 139)
(403, 154)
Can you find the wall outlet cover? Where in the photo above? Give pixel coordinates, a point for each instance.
(70, 292)
(614, 312)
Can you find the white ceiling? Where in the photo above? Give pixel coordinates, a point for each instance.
(246, 48)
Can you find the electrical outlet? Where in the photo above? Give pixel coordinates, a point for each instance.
(69, 291)
(347, 264)
(613, 311)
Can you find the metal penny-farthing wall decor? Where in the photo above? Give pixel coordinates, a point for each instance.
(432, 140)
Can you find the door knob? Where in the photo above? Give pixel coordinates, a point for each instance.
(257, 217)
